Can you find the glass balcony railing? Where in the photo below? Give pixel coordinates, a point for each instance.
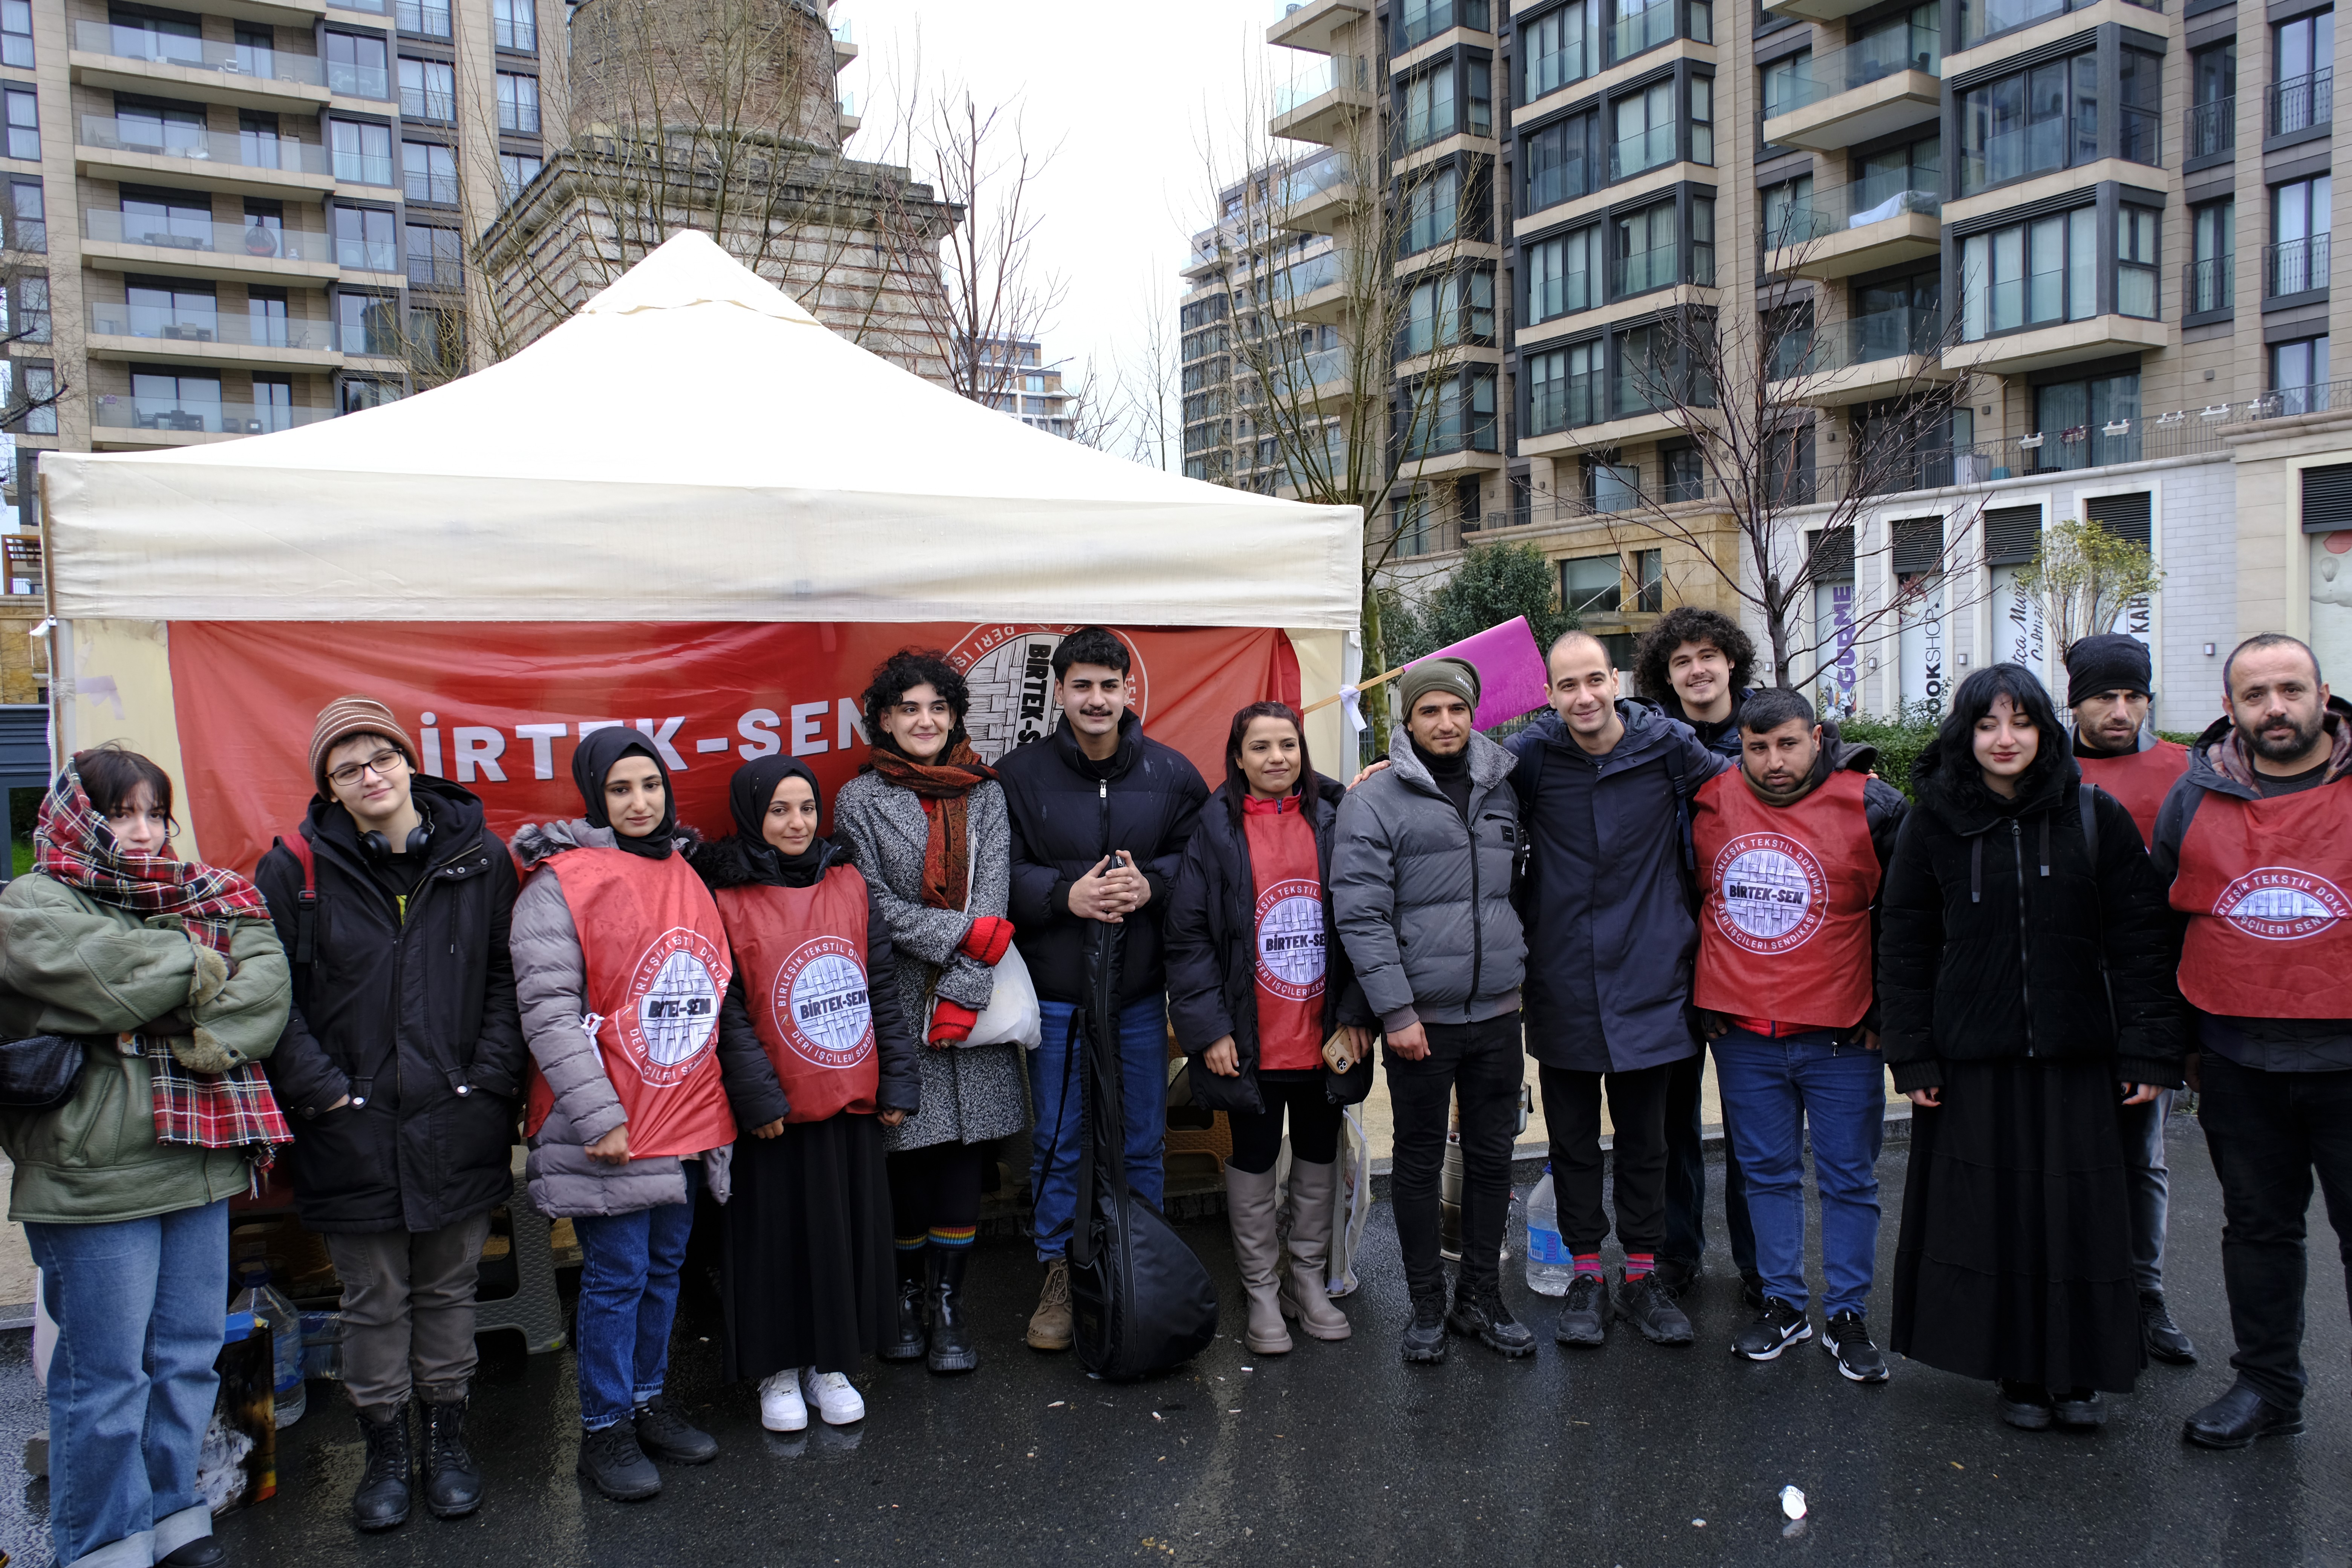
(1882, 196)
(2205, 285)
(1339, 73)
(2303, 103)
(358, 80)
(1567, 404)
(184, 326)
(2035, 149)
(1884, 334)
(172, 232)
(1551, 183)
(1645, 269)
(1305, 277)
(1319, 370)
(2139, 135)
(196, 416)
(1628, 155)
(171, 50)
(1645, 29)
(1871, 57)
(244, 149)
(367, 255)
(363, 168)
(1418, 21)
(1328, 172)
(2295, 266)
(2212, 128)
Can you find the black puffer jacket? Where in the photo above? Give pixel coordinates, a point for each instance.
(1067, 812)
(1995, 926)
(414, 1015)
(1212, 935)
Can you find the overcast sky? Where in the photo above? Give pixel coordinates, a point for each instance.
(1132, 96)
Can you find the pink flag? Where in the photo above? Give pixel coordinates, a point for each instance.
(1511, 674)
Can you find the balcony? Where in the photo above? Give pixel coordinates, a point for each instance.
(110, 59)
(844, 45)
(2294, 267)
(2206, 286)
(1326, 102)
(209, 338)
(244, 163)
(123, 420)
(1309, 25)
(2212, 130)
(1644, 29)
(1319, 198)
(1887, 354)
(2042, 148)
(115, 241)
(1816, 10)
(1887, 223)
(2059, 342)
(1312, 290)
(1322, 380)
(2301, 103)
(1884, 83)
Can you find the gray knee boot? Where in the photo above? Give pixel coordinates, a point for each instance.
(1311, 1189)
(1249, 1204)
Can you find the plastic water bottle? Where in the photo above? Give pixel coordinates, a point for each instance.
(284, 1324)
(1549, 1269)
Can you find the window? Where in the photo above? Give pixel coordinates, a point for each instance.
(1639, 383)
(2028, 274)
(1456, 416)
(16, 34)
(164, 399)
(1641, 25)
(40, 398)
(1562, 275)
(1702, 268)
(273, 403)
(429, 172)
(432, 256)
(1788, 213)
(1791, 347)
(28, 227)
(359, 394)
(256, 50)
(1433, 211)
(1981, 19)
(516, 171)
(1895, 317)
(24, 119)
(179, 220)
(517, 102)
(1428, 106)
(1702, 20)
(2139, 114)
(1787, 82)
(363, 152)
(2135, 258)
(265, 317)
(160, 128)
(515, 22)
(2302, 94)
(1911, 41)
(174, 40)
(2088, 424)
(1561, 161)
(1559, 47)
(1645, 124)
(172, 308)
(367, 323)
(24, 309)
(1418, 21)
(265, 230)
(1649, 580)
(1644, 250)
(428, 91)
(1900, 180)
(2299, 376)
(426, 18)
(1613, 487)
(437, 341)
(2299, 232)
(356, 64)
(2207, 287)
(1563, 388)
(1686, 473)
(364, 239)
(1458, 308)
(2029, 123)
(2213, 100)
(1478, 79)
(1701, 117)
(1592, 585)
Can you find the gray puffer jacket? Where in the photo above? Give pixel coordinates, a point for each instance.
(552, 986)
(1422, 899)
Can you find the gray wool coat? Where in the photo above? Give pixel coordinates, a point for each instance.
(970, 1093)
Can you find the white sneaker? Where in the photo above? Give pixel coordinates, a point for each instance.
(834, 1397)
(781, 1408)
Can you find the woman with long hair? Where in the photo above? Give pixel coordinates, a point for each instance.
(927, 819)
(1257, 984)
(170, 978)
(2026, 985)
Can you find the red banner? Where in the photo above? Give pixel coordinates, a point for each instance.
(499, 708)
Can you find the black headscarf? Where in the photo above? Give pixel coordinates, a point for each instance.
(749, 794)
(593, 758)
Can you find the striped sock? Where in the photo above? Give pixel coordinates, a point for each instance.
(911, 1243)
(1589, 1263)
(1638, 1264)
(954, 1235)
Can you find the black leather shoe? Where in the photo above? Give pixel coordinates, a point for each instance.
(381, 1502)
(2165, 1342)
(951, 1349)
(907, 1341)
(2026, 1406)
(1424, 1337)
(453, 1482)
(665, 1435)
(2238, 1417)
(616, 1466)
(1645, 1302)
(2081, 1409)
(1677, 1276)
(1478, 1312)
(1583, 1312)
(204, 1552)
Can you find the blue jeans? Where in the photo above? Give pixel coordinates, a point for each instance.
(140, 1305)
(1773, 1091)
(1053, 1090)
(628, 1297)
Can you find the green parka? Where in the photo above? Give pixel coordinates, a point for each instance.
(72, 966)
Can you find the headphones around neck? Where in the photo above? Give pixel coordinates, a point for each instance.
(378, 848)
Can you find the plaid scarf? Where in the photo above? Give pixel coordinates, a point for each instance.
(943, 787)
(72, 845)
(2234, 761)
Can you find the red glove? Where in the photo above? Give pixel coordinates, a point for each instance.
(951, 1023)
(986, 940)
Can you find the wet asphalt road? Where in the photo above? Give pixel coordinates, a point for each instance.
(1339, 1453)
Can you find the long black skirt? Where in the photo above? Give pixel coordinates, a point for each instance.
(2015, 1254)
(809, 1277)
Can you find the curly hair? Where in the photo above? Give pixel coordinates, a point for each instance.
(1688, 623)
(901, 673)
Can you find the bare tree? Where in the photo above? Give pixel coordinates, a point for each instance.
(1149, 385)
(2084, 577)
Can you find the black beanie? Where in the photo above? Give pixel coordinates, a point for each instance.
(2108, 662)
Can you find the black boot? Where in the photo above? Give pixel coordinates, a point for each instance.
(906, 1344)
(1424, 1337)
(616, 1466)
(453, 1482)
(1479, 1313)
(2165, 1342)
(951, 1346)
(382, 1501)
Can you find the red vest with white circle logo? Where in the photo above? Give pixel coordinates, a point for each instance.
(1290, 944)
(1785, 931)
(803, 953)
(2140, 780)
(2265, 884)
(656, 959)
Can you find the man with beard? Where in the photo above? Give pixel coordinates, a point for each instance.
(2254, 845)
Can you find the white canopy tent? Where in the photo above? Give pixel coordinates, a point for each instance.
(692, 446)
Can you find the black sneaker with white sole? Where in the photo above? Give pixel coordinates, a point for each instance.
(1776, 1328)
(1847, 1340)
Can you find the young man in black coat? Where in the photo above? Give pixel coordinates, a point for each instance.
(1100, 817)
(401, 1062)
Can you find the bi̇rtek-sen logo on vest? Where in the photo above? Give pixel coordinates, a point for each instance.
(1773, 892)
(2279, 903)
(820, 1005)
(673, 1012)
(1290, 939)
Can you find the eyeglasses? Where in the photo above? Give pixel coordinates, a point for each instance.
(384, 765)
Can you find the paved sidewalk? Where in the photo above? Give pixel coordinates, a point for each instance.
(1340, 1455)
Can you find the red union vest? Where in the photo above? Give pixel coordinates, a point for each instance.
(657, 960)
(1785, 932)
(803, 952)
(2139, 779)
(1289, 949)
(2267, 888)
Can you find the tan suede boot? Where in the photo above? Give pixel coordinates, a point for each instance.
(1311, 1188)
(1257, 1248)
(1050, 1326)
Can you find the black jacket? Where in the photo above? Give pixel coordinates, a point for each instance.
(755, 1093)
(413, 1015)
(1068, 812)
(1212, 936)
(1722, 738)
(1997, 927)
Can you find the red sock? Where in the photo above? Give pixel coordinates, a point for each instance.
(1588, 1263)
(1637, 1264)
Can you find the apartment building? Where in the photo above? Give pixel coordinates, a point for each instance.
(2035, 204)
(1032, 390)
